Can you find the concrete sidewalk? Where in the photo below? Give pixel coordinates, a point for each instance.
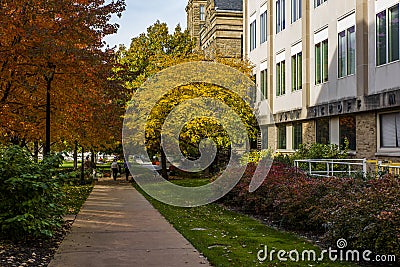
(117, 226)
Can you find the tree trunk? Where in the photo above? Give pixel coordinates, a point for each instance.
(83, 167)
(48, 78)
(92, 156)
(76, 156)
(46, 151)
(36, 151)
(164, 172)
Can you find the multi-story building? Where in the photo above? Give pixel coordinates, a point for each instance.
(328, 71)
(217, 26)
(196, 18)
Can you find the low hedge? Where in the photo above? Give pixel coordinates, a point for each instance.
(365, 213)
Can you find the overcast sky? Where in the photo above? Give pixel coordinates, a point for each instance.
(140, 14)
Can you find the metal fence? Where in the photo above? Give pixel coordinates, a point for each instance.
(347, 167)
(332, 167)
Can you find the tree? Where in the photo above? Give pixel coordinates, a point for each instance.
(54, 68)
(156, 50)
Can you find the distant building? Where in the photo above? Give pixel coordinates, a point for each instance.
(329, 71)
(217, 26)
(196, 18)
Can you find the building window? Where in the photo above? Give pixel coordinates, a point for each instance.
(253, 93)
(347, 131)
(280, 78)
(264, 84)
(390, 130)
(264, 138)
(387, 35)
(282, 137)
(263, 26)
(202, 12)
(347, 52)
(319, 2)
(297, 135)
(321, 62)
(280, 15)
(322, 131)
(296, 10)
(297, 72)
(253, 38)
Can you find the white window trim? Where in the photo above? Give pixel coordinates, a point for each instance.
(297, 48)
(264, 65)
(321, 35)
(381, 5)
(264, 8)
(280, 57)
(346, 22)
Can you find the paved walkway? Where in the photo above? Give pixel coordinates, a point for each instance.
(117, 226)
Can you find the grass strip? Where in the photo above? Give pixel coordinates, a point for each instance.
(75, 196)
(228, 238)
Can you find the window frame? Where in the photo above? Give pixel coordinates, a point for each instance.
(352, 146)
(317, 130)
(380, 135)
(202, 12)
(280, 78)
(296, 12)
(348, 67)
(296, 142)
(317, 3)
(323, 70)
(264, 137)
(297, 71)
(253, 35)
(264, 84)
(263, 27)
(280, 15)
(383, 45)
(282, 139)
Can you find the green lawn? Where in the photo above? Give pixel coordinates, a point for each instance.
(227, 238)
(69, 164)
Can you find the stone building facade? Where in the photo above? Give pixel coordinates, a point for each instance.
(196, 18)
(326, 71)
(217, 26)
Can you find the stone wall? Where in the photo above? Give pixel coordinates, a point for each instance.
(366, 127)
(231, 47)
(309, 132)
(272, 137)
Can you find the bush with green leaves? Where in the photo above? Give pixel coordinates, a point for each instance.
(30, 194)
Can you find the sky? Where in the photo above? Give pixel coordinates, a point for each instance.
(140, 14)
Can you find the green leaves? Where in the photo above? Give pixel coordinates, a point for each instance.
(30, 194)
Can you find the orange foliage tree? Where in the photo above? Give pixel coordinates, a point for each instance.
(55, 72)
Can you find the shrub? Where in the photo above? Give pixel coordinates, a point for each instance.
(365, 213)
(368, 216)
(29, 194)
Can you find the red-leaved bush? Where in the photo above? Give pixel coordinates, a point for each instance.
(365, 213)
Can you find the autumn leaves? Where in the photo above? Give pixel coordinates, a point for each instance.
(52, 55)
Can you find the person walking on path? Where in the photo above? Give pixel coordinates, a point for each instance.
(114, 169)
(126, 170)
